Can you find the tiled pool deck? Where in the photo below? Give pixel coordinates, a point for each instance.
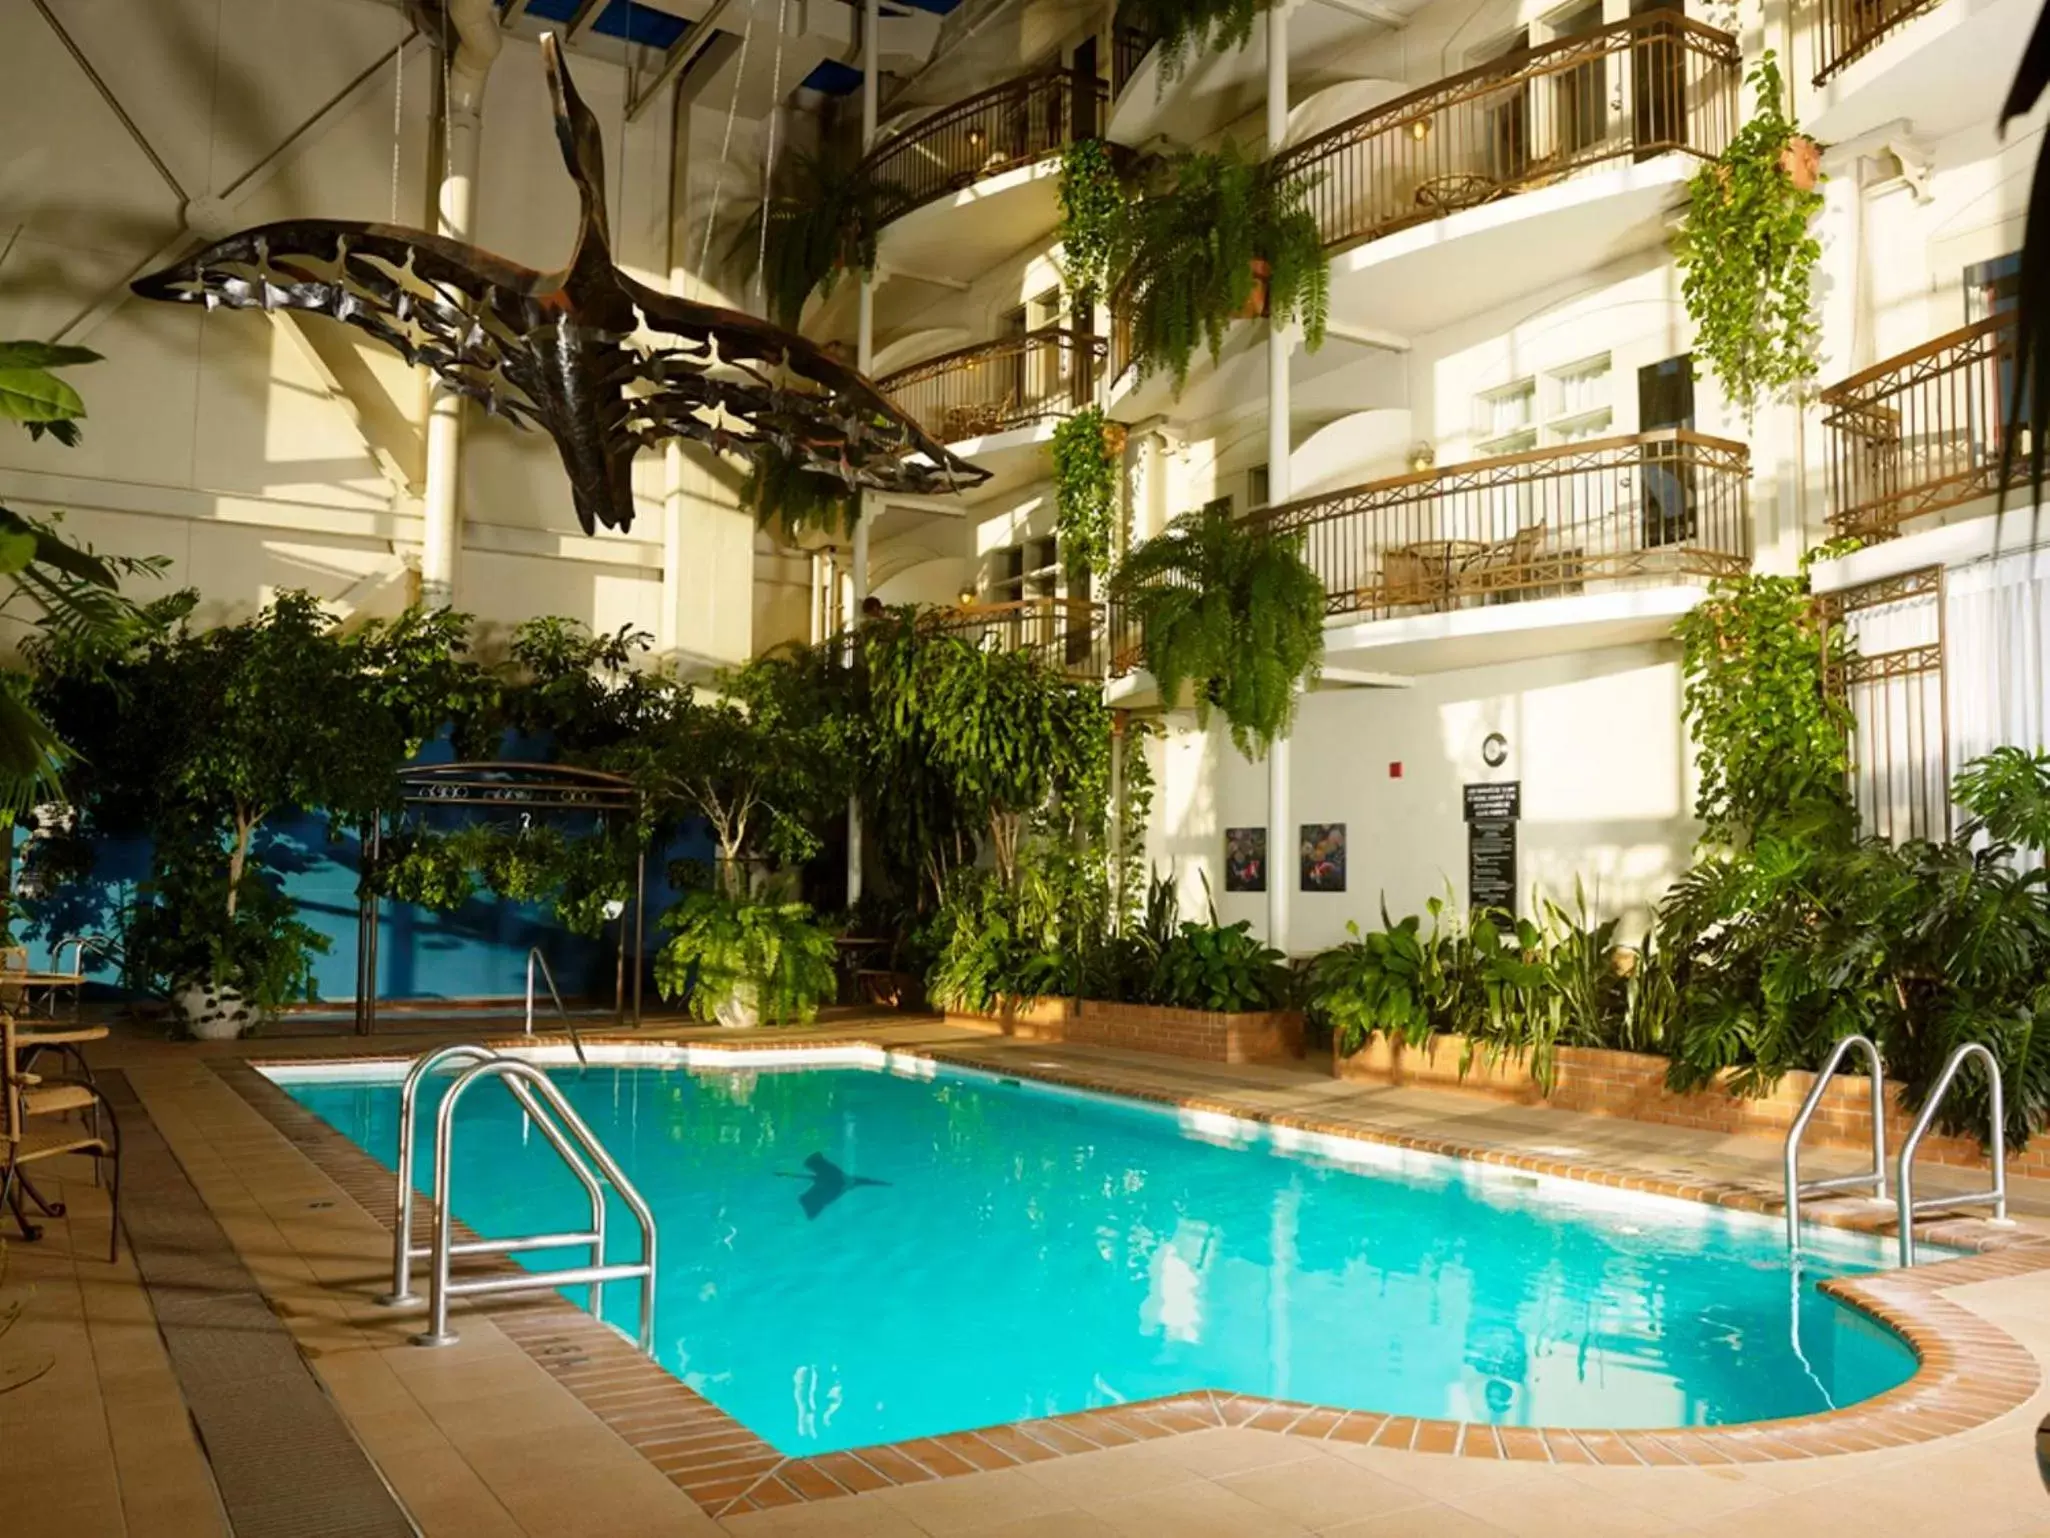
(541, 1422)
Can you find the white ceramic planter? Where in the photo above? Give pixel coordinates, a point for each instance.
(740, 1010)
(213, 1013)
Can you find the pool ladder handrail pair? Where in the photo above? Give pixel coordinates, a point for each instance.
(1875, 1177)
(571, 1138)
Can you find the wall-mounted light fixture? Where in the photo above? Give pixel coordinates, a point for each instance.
(1421, 458)
(1420, 129)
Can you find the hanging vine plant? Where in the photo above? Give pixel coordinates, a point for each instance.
(1092, 201)
(1233, 611)
(1748, 256)
(790, 501)
(1085, 490)
(1185, 28)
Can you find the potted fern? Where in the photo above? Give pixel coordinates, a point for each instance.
(1232, 612)
(1221, 238)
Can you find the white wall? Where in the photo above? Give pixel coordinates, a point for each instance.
(1595, 737)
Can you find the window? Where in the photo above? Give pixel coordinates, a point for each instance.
(1992, 288)
(1508, 419)
(1030, 569)
(1579, 400)
(1665, 398)
(1258, 492)
(1579, 103)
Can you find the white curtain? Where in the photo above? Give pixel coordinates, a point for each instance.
(1997, 654)
(1898, 776)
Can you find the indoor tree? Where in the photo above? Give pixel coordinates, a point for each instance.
(1230, 610)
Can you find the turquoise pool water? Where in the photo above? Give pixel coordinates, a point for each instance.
(852, 1255)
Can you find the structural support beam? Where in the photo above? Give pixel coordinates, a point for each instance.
(1280, 344)
(682, 53)
(865, 357)
(582, 19)
(1371, 10)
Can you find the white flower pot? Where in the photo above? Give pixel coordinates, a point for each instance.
(212, 1012)
(740, 1009)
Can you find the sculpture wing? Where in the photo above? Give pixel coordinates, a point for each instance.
(449, 307)
(740, 384)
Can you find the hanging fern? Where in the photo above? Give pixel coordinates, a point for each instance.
(1085, 491)
(1092, 201)
(824, 216)
(1186, 258)
(790, 500)
(1232, 610)
(1747, 254)
(1185, 28)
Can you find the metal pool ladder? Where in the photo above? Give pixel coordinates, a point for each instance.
(1996, 1194)
(534, 959)
(579, 1149)
(1875, 1177)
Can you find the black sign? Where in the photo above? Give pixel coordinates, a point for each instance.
(1491, 865)
(1500, 802)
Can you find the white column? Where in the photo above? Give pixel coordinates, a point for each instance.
(1281, 839)
(476, 45)
(864, 360)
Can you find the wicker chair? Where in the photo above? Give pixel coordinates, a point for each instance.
(36, 1123)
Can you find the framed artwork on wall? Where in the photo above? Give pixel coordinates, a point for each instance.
(1323, 850)
(1245, 859)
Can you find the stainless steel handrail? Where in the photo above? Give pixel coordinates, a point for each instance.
(441, 1286)
(1997, 1193)
(535, 958)
(405, 1251)
(1874, 1177)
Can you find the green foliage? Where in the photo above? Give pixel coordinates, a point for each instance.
(33, 395)
(1085, 492)
(1233, 610)
(824, 216)
(2007, 794)
(773, 956)
(1401, 981)
(1185, 28)
(1092, 203)
(1748, 258)
(792, 501)
(1000, 941)
(582, 690)
(1182, 266)
(1768, 738)
(182, 931)
(1160, 958)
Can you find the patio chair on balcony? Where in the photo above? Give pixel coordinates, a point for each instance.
(978, 420)
(48, 1118)
(1498, 572)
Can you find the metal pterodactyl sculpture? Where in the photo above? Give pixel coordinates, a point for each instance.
(606, 366)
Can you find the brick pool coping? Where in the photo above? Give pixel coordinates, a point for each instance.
(1969, 1371)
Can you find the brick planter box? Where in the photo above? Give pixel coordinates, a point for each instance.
(1632, 1085)
(1263, 1036)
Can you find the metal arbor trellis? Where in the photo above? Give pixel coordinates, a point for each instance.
(511, 786)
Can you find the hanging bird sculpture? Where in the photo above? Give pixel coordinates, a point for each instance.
(603, 364)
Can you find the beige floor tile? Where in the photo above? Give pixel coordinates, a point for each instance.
(1556, 1507)
(1200, 1510)
(1428, 1521)
(1322, 1491)
(1087, 1478)
(1227, 1450)
(974, 1501)
(1069, 1522)
(443, 1493)
(1438, 1476)
(1677, 1494)
(860, 1516)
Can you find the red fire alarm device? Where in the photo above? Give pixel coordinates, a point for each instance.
(1395, 770)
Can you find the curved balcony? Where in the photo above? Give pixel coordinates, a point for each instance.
(1847, 30)
(1544, 163)
(1921, 433)
(1000, 387)
(1657, 509)
(1085, 639)
(996, 150)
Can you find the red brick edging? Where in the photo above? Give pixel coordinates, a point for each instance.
(1969, 1371)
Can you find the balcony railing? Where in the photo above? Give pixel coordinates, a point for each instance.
(1083, 638)
(997, 386)
(1009, 125)
(1847, 30)
(1129, 46)
(1663, 506)
(1654, 84)
(1921, 432)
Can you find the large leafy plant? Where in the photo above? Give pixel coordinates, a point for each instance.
(1183, 267)
(1085, 491)
(1747, 255)
(722, 951)
(791, 501)
(1231, 609)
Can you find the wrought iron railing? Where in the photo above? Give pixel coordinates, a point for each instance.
(1847, 30)
(1889, 677)
(1663, 506)
(1129, 46)
(1082, 637)
(1921, 432)
(1009, 125)
(1653, 84)
(997, 386)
